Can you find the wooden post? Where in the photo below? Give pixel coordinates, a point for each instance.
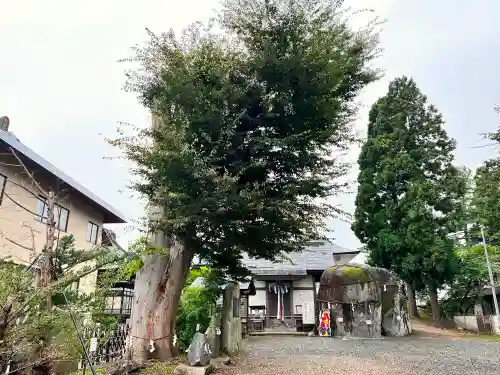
(45, 261)
(268, 297)
(292, 310)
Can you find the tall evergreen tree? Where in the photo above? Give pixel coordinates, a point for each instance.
(409, 192)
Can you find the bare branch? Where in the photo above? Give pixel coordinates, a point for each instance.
(8, 164)
(114, 242)
(23, 187)
(20, 205)
(18, 244)
(31, 176)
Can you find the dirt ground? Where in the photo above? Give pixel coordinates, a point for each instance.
(415, 355)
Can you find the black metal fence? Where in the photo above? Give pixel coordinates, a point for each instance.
(104, 347)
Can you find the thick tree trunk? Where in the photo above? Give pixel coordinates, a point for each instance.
(435, 308)
(412, 302)
(157, 292)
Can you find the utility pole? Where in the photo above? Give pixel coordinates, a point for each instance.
(492, 281)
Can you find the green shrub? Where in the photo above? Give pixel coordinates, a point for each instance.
(196, 307)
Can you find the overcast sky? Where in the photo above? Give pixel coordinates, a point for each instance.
(60, 82)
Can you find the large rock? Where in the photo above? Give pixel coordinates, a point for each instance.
(190, 370)
(199, 353)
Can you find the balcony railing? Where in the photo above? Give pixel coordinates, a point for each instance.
(119, 300)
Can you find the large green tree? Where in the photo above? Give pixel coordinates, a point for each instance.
(247, 123)
(409, 195)
(485, 205)
(470, 278)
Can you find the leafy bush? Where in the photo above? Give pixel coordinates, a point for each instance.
(197, 306)
(470, 278)
(32, 335)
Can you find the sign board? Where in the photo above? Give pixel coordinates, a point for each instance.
(308, 313)
(93, 345)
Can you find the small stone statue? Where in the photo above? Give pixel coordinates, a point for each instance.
(199, 353)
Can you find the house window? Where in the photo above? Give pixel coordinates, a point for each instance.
(61, 214)
(3, 182)
(337, 258)
(92, 232)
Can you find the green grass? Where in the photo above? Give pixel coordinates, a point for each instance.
(88, 371)
(159, 368)
(482, 337)
(424, 316)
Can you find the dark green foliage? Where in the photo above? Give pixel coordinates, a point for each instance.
(195, 308)
(410, 195)
(25, 326)
(196, 272)
(140, 247)
(494, 136)
(247, 126)
(197, 304)
(471, 277)
(31, 332)
(485, 207)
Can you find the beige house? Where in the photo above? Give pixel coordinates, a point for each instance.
(24, 175)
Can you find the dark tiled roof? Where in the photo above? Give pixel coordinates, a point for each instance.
(111, 214)
(316, 257)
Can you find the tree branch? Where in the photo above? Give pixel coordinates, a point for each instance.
(23, 187)
(26, 170)
(18, 244)
(57, 284)
(20, 205)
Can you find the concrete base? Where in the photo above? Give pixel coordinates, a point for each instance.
(183, 369)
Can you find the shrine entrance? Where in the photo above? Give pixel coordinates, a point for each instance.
(279, 302)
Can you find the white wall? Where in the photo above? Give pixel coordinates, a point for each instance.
(304, 298)
(468, 322)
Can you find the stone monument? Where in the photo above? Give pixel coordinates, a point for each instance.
(199, 353)
(231, 336)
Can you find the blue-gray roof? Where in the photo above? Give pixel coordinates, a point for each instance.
(111, 215)
(317, 256)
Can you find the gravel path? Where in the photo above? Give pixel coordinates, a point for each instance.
(391, 356)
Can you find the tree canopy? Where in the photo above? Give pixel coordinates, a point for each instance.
(409, 195)
(485, 205)
(470, 278)
(247, 125)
